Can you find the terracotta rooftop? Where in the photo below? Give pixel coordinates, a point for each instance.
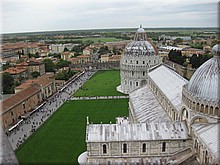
(15, 70)
(44, 81)
(66, 53)
(18, 98)
(83, 56)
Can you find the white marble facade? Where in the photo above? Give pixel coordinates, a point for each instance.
(169, 120)
(139, 56)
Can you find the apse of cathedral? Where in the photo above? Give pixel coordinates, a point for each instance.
(171, 120)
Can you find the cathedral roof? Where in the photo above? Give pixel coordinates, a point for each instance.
(136, 132)
(170, 83)
(145, 107)
(205, 82)
(203, 132)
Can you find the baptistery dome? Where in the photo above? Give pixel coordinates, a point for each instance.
(139, 56)
(205, 82)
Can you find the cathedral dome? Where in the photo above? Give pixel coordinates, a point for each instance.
(205, 82)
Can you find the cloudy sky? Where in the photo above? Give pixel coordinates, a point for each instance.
(44, 15)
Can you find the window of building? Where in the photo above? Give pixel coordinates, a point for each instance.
(143, 73)
(143, 62)
(136, 62)
(163, 146)
(23, 104)
(144, 147)
(136, 83)
(132, 73)
(126, 61)
(104, 149)
(12, 114)
(124, 148)
(130, 83)
(187, 114)
(131, 61)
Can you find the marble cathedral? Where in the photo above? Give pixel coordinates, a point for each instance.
(171, 120)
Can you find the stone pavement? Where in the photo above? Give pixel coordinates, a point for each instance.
(26, 127)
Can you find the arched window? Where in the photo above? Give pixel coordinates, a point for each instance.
(130, 61)
(211, 110)
(163, 146)
(132, 73)
(143, 62)
(143, 73)
(144, 147)
(104, 149)
(136, 83)
(187, 114)
(136, 62)
(124, 148)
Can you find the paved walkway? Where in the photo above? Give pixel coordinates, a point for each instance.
(98, 97)
(26, 127)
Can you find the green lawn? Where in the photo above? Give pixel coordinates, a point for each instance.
(62, 138)
(103, 83)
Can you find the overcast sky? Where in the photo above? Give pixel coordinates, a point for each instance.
(44, 15)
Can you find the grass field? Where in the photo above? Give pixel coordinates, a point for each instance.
(62, 138)
(103, 83)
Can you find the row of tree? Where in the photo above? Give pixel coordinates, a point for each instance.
(50, 66)
(176, 56)
(196, 60)
(65, 75)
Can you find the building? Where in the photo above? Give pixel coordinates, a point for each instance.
(56, 48)
(67, 55)
(19, 74)
(110, 58)
(19, 104)
(138, 57)
(33, 66)
(83, 58)
(117, 45)
(46, 84)
(88, 51)
(171, 120)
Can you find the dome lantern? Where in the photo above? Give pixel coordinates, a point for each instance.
(216, 50)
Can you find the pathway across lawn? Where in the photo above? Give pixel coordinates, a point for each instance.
(62, 138)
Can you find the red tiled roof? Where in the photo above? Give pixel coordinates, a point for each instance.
(42, 80)
(18, 98)
(15, 70)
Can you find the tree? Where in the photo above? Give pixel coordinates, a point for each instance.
(62, 63)
(65, 49)
(7, 83)
(178, 40)
(62, 76)
(103, 50)
(35, 74)
(194, 60)
(49, 65)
